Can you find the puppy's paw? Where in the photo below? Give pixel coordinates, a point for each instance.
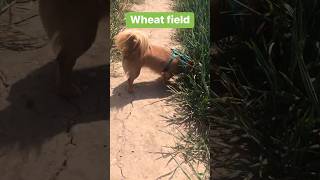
(165, 78)
(165, 81)
(130, 90)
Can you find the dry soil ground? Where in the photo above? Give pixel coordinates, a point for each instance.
(45, 137)
(138, 123)
(42, 136)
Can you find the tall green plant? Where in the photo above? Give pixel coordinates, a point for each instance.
(192, 92)
(278, 111)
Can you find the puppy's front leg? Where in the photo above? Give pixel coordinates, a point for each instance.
(66, 87)
(130, 84)
(133, 74)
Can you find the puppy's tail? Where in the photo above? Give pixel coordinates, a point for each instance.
(132, 43)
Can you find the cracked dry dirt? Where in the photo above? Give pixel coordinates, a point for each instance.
(137, 121)
(42, 136)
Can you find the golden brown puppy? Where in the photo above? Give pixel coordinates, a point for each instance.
(71, 25)
(138, 52)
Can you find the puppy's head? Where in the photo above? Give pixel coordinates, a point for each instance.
(132, 42)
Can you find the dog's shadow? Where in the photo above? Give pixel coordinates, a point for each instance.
(142, 90)
(36, 113)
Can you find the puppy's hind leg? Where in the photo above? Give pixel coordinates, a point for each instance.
(166, 76)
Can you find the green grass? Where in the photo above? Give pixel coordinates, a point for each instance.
(191, 93)
(118, 9)
(3, 3)
(192, 145)
(273, 104)
(117, 22)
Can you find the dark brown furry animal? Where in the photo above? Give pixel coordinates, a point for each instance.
(72, 27)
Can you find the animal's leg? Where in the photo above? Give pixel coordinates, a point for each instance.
(64, 75)
(72, 25)
(74, 44)
(166, 76)
(132, 76)
(130, 84)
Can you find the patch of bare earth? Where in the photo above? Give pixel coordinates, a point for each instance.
(42, 136)
(138, 123)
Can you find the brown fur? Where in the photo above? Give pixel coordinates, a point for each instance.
(138, 52)
(71, 25)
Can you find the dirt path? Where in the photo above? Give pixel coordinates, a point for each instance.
(138, 122)
(44, 137)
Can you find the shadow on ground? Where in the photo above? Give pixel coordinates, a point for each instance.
(142, 90)
(35, 113)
